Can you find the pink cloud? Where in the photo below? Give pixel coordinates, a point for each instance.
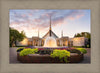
(27, 23)
(71, 18)
(75, 17)
(79, 16)
(37, 20)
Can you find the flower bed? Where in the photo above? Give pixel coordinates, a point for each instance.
(37, 55)
(36, 58)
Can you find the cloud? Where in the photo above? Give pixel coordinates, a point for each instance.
(39, 19)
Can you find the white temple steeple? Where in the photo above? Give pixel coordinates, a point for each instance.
(62, 34)
(50, 23)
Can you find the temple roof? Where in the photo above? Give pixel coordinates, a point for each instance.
(52, 34)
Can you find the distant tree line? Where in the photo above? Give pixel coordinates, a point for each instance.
(15, 35)
(86, 35)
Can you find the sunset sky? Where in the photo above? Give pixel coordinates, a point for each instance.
(68, 21)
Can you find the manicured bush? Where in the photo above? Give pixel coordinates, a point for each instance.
(35, 49)
(74, 51)
(20, 49)
(61, 54)
(82, 50)
(28, 51)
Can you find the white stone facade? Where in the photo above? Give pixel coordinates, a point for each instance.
(79, 41)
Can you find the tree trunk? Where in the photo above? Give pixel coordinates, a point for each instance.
(11, 43)
(15, 43)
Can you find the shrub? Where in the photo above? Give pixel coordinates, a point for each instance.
(78, 46)
(20, 49)
(35, 50)
(87, 46)
(28, 51)
(82, 50)
(74, 51)
(61, 54)
(21, 46)
(45, 51)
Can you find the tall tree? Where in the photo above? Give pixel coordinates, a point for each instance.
(83, 34)
(15, 35)
(77, 35)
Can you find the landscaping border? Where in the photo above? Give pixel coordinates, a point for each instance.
(36, 58)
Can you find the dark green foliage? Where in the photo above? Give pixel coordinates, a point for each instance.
(82, 50)
(22, 46)
(75, 51)
(15, 36)
(89, 43)
(78, 46)
(83, 34)
(78, 35)
(45, 51)
(20, 49)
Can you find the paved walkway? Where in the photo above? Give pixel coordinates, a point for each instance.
(87, 57)
(13, 56)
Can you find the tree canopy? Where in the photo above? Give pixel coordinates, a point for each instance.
(83, 34)
(15, 35)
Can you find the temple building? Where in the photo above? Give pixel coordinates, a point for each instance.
(62, 41)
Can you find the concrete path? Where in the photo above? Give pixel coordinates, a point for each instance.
(87, 57)
(13, 56)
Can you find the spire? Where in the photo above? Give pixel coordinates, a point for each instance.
(62, 33)
(50, 27)
(50, 23)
